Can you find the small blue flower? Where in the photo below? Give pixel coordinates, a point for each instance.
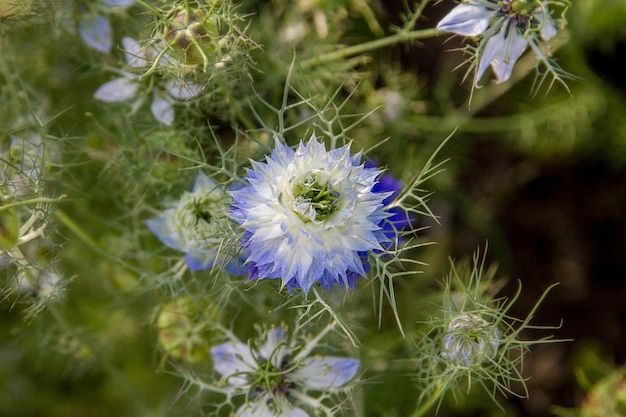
(310, 215)
(276, 374)
(196, 226)
(506, 29)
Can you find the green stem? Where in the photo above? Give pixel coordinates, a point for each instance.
(84, 236)
(340, 54)
(32, 201)
(425, 406)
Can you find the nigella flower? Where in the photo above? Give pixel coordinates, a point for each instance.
(506, 28)
(310, 215)
(128, 86)
(277, 377)
(195, 225)
(475, 341)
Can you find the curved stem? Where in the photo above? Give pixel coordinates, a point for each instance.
(340, 54)
(425, 406)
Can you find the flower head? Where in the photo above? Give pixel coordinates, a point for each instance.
(310, 215)
(195, 225)
(505, 28)
(275, 374)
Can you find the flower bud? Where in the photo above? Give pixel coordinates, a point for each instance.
(470, 339)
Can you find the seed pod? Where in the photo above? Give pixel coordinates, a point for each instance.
(193, 35)
(185, 329)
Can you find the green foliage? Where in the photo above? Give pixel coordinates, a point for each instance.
(99, 317)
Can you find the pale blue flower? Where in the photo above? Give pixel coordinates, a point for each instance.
(127, 87)
(95, 29)
(96, 32)
(118, 3)
(278, 377)
(505, 28)
(196, 225)
(310, 215)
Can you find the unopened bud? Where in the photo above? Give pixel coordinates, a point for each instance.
(470, 339)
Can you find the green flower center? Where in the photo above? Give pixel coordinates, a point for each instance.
(201, 210)
(269, 378)
(315, 192)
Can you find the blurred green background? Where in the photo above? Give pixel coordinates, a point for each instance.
(542, 180)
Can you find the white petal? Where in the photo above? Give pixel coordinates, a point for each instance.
(275, 347)
(466, 20)
(182, 89)
(118, 3)
(326, 372)
(161, 227)
(259, 408)
(96, 32)
(255, 409)
(549, 30)
(231, 359)
(117, 90)
(204, 184)
(494, 47)
(503, 64)
(162, 110)
(134, 53)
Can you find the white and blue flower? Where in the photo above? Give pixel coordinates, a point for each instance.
(278, 377)
(310, 215)
(196, 225)
(506, 28)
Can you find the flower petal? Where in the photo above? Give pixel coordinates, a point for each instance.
(502, 52)
(162, 229)
(514, 46)
(118, 3)
(548, 31)
(134, 53)
(260, 408)
(117, 90)
(275, 348)
(162, 110)
(466, 20)
(324, 372)
(231, 359)
(96, 32)
(183, 89)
